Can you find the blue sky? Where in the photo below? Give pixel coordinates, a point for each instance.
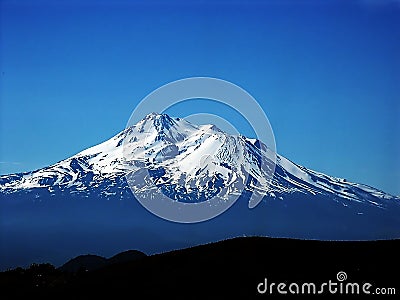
(327, 75)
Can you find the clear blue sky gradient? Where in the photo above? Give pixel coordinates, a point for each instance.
(327, 75)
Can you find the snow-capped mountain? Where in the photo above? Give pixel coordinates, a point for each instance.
(194, 159)
(188, 163)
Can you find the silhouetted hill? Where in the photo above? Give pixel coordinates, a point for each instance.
(84, 263)
(126, 256)
(229, 269)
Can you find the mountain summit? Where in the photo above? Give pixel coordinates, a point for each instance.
(188, 163)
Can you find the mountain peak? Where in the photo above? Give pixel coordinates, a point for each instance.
(160, 121)
(156, 122)
(155, 115)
